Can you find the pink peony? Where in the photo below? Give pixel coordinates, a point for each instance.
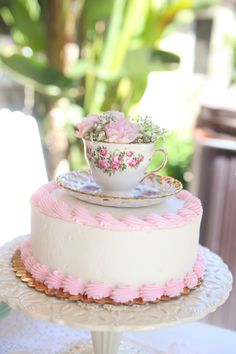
(87, 123)
(116, 114)
(129, 153)
(102, 164)
(121, 131)
(103, 152)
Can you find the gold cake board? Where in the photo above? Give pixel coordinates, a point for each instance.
(27, 278)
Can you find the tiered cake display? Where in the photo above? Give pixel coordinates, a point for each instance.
(115, 234)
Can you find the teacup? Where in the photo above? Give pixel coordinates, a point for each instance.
(117, 168)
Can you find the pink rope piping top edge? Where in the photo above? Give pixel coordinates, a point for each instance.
(44, 200)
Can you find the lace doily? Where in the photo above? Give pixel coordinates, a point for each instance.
(212, 293)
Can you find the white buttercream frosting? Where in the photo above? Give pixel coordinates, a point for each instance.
(133, 246)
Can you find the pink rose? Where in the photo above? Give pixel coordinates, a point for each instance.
(129, 153)
(121, 131)
(103, 152)
(140, 159)
(132, 163)
(87, 123)
(102, 164)
(116, 159)
(115, 165)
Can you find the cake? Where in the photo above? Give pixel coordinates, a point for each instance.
(120, 255)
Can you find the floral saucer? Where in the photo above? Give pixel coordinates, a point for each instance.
(152, 190)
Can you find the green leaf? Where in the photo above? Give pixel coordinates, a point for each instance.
(6, 15)
(32, 29)
(140, 62)
(163, 14)
(164, 57)
(97, 10)
(180, 149)
(134, 10)
(79, 69)
(33, 8)
(112, 37)
(39, 75)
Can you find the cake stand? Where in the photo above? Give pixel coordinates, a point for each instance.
(107, 322)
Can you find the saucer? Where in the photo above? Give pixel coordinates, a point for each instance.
(152, 190)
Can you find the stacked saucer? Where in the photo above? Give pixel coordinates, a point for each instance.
(153, 190)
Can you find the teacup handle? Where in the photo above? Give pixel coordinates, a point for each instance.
(154, 172)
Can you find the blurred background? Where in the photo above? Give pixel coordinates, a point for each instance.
(172, 59)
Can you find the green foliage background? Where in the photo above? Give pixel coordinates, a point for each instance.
(118, 43)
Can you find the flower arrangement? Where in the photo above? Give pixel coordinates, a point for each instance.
(114, 127)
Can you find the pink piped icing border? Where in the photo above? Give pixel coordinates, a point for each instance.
(48, 204)
(99, 290)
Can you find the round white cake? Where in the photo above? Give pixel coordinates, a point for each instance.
(116, 253)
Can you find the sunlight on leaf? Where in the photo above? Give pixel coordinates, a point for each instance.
(39, 75)
(6, 15)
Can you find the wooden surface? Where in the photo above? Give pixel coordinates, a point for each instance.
(214, 170)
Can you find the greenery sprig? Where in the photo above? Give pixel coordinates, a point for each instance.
(149, 132)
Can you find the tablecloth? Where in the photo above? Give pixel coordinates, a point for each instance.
(20, 334)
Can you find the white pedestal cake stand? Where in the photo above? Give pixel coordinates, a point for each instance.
(107, 322)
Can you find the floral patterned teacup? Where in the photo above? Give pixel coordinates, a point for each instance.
(117, 168)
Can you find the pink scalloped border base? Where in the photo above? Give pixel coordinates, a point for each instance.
(118, 294)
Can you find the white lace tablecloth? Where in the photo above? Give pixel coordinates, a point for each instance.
(20, 334)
